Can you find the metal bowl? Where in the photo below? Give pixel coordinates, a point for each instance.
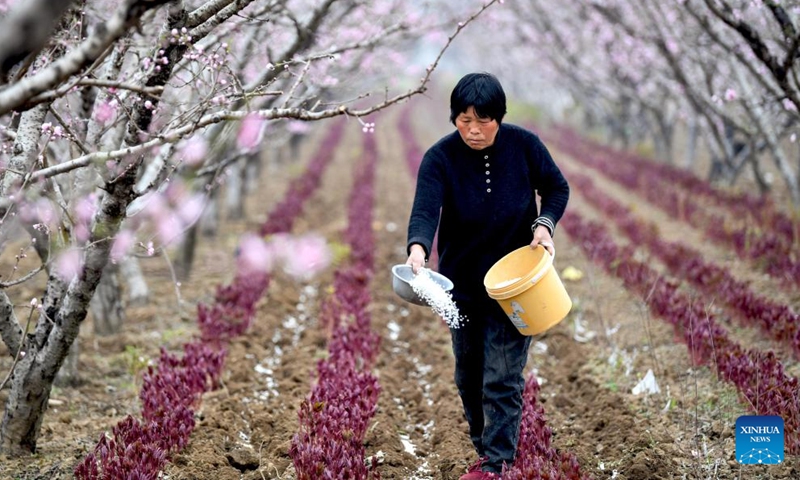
(402, 276)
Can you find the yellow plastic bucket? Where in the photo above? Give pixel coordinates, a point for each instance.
(527, 287)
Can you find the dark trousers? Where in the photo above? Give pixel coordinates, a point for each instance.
(490, 355)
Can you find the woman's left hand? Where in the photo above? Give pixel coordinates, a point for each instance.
(541, 236)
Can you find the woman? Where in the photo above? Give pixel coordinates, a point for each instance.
(484, 178)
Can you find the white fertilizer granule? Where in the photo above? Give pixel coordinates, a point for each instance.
(437, 297)
(506, 283)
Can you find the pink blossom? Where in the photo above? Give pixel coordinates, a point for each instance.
(308, 256)
(254, 255)
(86, 208)
(155, 206)
(297, 127)
(250, 132)
(69, 264)
(194, 150)
(190, 210)
(730, 95)
(81, 232)
(39, 211)
(5, 5)
(122, 245)
(175, 193)
(104, 112)
(169, 228)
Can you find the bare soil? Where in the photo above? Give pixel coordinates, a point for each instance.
(587, 365)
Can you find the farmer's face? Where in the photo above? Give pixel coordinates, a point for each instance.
(476, 132)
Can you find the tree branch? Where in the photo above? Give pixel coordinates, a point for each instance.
(750, 36)
(63, 90)
(783, 19)
(172, 136)
(205, 11)
(202, 30)
(760, 49)
(10, 331)
(25, 150)
(26, 30)
(104, 34)
(300, 43)
(22, 279)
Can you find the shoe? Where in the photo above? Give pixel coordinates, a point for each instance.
(479, 475)
(474, 472)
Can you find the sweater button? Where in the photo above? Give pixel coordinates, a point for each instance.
(487, 172)
(486, 157)
(487, 165)
(488, 181)
(488, 190)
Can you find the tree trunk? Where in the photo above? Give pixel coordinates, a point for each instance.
(185, 259)
(295, 140)
(59, 325)
(252, 172)
(763, 185)
(234, 190)
(138, 291)
(691, 142)
(108, 312)
(68, 375)
(663, 143)
(25, 148)
(209, 220)
(10, 330)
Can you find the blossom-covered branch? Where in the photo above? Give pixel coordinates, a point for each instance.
(20, 93)
(26, 29)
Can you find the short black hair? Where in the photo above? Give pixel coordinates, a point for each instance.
(482, 91)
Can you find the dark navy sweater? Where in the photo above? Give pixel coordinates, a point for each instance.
(487, 200)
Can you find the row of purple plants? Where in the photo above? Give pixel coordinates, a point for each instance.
(536, 457)
(777, 254)
(335, 416)
(139, 449)
(759, 376)
(758, 208)
(301, 188)
(716, 282)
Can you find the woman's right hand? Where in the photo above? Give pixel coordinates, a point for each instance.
(416, 258)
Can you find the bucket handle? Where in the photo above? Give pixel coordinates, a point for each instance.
(541, 273)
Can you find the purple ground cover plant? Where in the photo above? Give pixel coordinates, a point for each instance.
(776, 253)
(776, 319)
(333, 420)
(758, 376)
(537, 458)
(140, 449)
(760, 208)
(284, 214)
